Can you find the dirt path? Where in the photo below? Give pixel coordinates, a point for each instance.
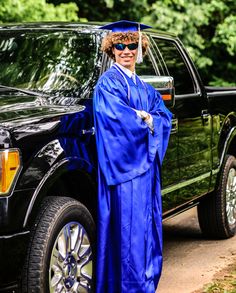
(190, 261)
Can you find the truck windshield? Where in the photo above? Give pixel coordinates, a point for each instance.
(59, 63)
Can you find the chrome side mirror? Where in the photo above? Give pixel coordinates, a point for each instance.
(165, 86)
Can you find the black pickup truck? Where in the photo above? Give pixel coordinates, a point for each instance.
(48, 154)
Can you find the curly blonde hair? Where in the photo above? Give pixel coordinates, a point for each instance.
(114, 38)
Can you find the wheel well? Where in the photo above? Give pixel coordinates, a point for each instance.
(232, 147)
(75, 184)
(78, 185)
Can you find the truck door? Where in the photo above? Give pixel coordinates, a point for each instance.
(194, 124)
(151, 66)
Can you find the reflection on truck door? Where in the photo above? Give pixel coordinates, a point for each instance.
(194, 127)
(170, 172)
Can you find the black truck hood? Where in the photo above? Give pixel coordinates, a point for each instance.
(23, 115)
(20, 108)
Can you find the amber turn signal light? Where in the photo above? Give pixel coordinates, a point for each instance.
(166, 97)
(9, 169)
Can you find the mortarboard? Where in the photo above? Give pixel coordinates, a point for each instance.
(124, 26)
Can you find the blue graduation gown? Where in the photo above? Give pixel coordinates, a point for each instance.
(129, 226)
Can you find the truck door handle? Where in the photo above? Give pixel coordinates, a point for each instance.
(174, 127)
(205, 116)
(88, 131)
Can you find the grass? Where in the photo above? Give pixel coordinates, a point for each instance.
(224, 282)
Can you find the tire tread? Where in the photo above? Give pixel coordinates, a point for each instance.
(211, 210)
(49, 211)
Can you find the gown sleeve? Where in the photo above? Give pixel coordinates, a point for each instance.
(125, 145)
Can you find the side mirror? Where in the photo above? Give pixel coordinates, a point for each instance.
(165, 86)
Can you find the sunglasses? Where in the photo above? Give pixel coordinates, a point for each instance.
(121, 46)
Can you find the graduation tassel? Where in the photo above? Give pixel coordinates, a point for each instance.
(140, 51)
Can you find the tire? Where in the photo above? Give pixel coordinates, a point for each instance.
(217, 213)
(61, 252)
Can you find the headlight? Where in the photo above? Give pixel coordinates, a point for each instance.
(9, 169)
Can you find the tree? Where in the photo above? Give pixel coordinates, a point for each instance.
(36, 10)
(207, 28)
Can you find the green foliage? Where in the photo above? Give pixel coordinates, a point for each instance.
(36, 10)
(109, 3)
(110, 10)
(225, 34)
(207, 29)
(224, 283)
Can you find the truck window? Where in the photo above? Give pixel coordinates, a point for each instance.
(146, 67)
(176, 66)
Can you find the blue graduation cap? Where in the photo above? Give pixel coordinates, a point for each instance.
(123, 26)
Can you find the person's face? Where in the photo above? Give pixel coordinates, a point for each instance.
(126, 57)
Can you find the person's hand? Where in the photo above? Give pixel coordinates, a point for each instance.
(145, 116)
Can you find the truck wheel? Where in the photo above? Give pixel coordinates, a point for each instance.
(217, 213)
(61, 251)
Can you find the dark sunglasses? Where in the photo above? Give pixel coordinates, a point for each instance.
(121, 46)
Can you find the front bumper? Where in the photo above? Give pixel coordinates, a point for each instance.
(13, 250)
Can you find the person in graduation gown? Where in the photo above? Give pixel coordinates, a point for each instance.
(132, 131)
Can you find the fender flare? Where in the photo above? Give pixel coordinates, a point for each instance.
(231, 135)
(54, 172)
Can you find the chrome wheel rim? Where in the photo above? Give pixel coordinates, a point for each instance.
(71, 261)
(231, 197)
